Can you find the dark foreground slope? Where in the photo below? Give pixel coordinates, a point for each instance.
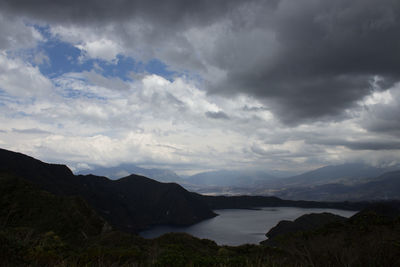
(369, 238)
(131, 203)
(38, 228)
(24, 205)
(303, 223)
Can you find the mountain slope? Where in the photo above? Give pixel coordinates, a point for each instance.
(345, 173)
(383, 187)
(132, 203)
(24, 205)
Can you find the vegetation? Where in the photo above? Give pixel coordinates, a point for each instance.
(42, 229)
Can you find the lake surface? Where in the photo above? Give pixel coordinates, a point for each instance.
(240, 226)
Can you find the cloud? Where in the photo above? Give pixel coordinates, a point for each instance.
(217, 115)
(21, 79)
(101, 49)
(170, 12)
(271, 83)
(374, 144)
(30, 131)
(381, 113)
(308, 60)
(41, 58)
(15, 34)
(323, 61)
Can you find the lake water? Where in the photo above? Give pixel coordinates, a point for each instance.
(240, 226)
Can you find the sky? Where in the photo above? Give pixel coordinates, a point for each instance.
(201, 85)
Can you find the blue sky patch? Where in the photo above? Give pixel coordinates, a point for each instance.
(65, 57)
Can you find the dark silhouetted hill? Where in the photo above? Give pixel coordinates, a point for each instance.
(131, 203)
(24, 205)
(305, 222)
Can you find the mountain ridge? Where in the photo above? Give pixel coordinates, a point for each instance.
(125, 169)
(126, 204)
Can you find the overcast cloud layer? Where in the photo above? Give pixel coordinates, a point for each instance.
(229, 84)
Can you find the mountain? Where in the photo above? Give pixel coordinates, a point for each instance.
(383, 187)
(263, 183)
(306, 222)
(345, 174)
(125, 169)
(131, 203)
(368, 238)
(24, 205)
(38, 228)
(230, 178)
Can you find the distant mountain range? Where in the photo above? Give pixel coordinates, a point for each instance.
(352, 181)
(383, 187)
(234, 178)
(125, 169)
(349, 173)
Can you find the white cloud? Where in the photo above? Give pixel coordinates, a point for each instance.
(94, 43)
(21, 79)
(101, 49)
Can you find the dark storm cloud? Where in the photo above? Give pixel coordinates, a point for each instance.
(327, 56)
(384, 118)
(307, 60)
(217, 115)
(388, 125)
(98, 11)
(374, 144)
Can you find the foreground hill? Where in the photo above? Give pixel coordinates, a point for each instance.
(131, 203)
(368, 238)
(303, 223)
(24, 205)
